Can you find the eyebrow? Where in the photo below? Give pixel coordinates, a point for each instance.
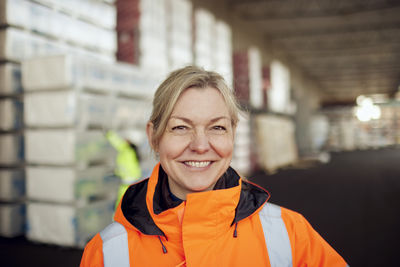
(189, 121)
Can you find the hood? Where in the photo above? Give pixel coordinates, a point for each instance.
(148, 207)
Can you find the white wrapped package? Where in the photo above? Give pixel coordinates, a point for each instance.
(11, 149)
(10, 79)
(128, 113)
(69, 72)
(97, 12)
(18, 45)
(10, 114)
(68, 185)
(65, 108)
(12, 219)
(67, 225)
(29, 15)
(12, 184)
(66, 147)
(276, 142)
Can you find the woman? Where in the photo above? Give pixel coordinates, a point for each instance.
(195, 210)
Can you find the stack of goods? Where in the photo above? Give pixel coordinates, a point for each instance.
(69, 102)
(276, 142)
(179, 29)
(248, 82)
(347, 133)
(50, 26)
(34, 28)
(12, 176)
(204, 38)
(279, 94)
(142, 34)
(241, 160)
(223, 51)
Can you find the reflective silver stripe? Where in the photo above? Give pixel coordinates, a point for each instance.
(276, 236)
(115, 246)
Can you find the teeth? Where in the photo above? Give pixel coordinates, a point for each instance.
(198, 164)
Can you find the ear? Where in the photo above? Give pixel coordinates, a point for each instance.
(150, 135)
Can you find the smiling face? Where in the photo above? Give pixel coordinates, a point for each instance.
(197, 145)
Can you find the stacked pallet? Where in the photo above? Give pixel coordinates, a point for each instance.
(142, 34)
(179, 33)
(203, 35)
(241, 159)
(347, 133)
(48, 26)
(69, 101)
(223, 51)
(12, 175)
(276, 142)
(29, 29)
(279, 94)
(248, 83)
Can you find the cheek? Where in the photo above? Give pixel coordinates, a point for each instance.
(172, 147)
(223, 145)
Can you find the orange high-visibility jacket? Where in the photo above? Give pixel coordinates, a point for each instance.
(232, 225)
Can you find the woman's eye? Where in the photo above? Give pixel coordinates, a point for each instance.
(179, 128)
(219, 128)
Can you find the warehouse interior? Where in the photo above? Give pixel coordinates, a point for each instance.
(319, 83)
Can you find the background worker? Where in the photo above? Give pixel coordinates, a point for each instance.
(127, 163)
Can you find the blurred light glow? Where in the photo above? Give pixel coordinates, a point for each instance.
(366, 110)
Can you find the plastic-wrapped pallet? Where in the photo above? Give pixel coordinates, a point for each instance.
(204, 26)
(153, 36)
(70, 72)
(276, 142)
(10, 79)
(18, 45)
(279, 93)
(65, 108)
(67, 225)
(12, 184)
(32, 16)
(12, 219)
(11, 149)
(10, 114)
(255, 78)
(130, 113)
(96, 12)
(241, 155)
(179, 17)
(66, 147)
(70, 185)
(248, 77)
(223, 51)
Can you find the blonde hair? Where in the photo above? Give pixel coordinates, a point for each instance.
(175, 84)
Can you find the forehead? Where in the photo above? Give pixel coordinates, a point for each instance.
(201, 102)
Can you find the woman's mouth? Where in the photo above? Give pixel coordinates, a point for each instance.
(197, 164)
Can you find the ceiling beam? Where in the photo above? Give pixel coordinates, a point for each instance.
(256, 10)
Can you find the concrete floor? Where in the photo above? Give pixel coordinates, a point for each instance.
(353, 202)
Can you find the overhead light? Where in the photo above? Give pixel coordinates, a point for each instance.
(366, 110)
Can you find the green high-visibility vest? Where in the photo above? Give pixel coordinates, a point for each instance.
(128, 166)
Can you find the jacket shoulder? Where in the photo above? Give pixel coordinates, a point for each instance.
(307, 244)
(93, 253)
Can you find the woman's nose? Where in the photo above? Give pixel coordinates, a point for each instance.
(199, 143)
